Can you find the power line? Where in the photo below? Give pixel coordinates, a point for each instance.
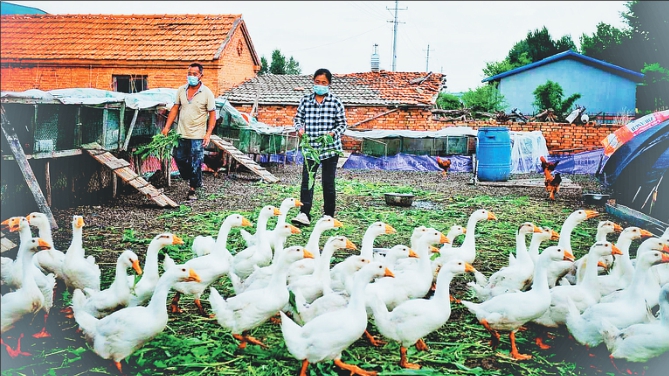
(341, 40)
(395, 22)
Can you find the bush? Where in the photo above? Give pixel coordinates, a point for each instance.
(447, 101)
(549, 95)
(485, 98)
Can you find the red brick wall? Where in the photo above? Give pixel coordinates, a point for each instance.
(235, 65)
(558, 136)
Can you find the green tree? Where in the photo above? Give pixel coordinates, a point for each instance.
(608, 43)
(447, 101)
(293, 67)
(549, 95)
(539, 45)
(649, 26)
(264, 66)
(652, 93)
(278, 65)
(485, 98)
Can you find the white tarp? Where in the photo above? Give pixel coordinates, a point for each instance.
(28, 94)
(151, 98)
(526, 150)
(381, 133)
(87, 96)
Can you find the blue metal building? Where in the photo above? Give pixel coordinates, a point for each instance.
(604, 87)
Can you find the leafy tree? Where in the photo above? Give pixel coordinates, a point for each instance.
(549, 95)
(649, 26)
(293, 67)
(264, 66)
(539, 45)
(652, 93)
(278, 65)
(609, 44)
(485, 98)
(447, 101)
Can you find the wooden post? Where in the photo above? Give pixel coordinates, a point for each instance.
(114, 184)
(121, 126)
(27, 172)
(130, 129)
(47, 182)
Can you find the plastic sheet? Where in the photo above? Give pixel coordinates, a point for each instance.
(526, 151)
(406, 162)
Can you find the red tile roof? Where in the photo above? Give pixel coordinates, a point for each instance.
(119, 37)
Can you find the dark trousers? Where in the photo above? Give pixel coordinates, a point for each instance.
(189, 155)
(328, 181)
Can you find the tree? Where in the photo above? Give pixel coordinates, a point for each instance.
(539, 45)
(485, 98)
(447, 101)
(293, 67)
(549, 95)
(609, 44)
(278, 65)
(264, 66)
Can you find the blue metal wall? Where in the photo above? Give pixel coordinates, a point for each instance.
(600, 90)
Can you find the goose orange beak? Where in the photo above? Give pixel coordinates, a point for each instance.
(665, 249)
(617, 227)
(412, 253)
(337, 223)
(12, 223)
(298, 203)
(603, 265)
(537, 229)
(80, 222)
(43, 244)
(390, 229)
(294, 230)
(491, 215)
(665, 258)
(277, 212)
(469, 268)
(177, 240)
(138, 269)
(388, 273)
(616, 250)
(350, 245)
(246, 222)
(434, 249)
(589, 214)
(568, 256)
(646, 234)
(308, 254)
(464, 230)
(555, 235)
(192, 276)
(444, 239)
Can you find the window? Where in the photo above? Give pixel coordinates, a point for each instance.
(129, 83)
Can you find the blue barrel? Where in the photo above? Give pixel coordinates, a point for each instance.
(493, 151)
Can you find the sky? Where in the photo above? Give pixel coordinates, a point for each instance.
(455, 38)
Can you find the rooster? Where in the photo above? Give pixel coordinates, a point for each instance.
(213, 160)
(548, 167)
(444, 164)
(553, 186)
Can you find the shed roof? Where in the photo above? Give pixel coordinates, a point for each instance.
(569, 54)
(170, 37)
(381, 88)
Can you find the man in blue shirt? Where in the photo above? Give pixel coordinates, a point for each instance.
(319, 114)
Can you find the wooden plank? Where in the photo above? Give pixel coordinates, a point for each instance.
(27, 172)
(47, 182)
(243, 159)
(47, 155)
(6, 244)
(637, 218)
(130, 129)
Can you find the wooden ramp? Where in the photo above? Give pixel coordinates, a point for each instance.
(6, 244)
(122, 169)
(244, 159)
(566, 184)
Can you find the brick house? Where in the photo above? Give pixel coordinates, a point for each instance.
(126, 53)
(373, 100)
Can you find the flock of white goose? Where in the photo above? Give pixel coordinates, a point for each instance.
(607, 296)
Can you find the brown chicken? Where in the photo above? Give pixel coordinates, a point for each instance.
(213, 160)
(548, 167)
(553, 186)
(445, 165)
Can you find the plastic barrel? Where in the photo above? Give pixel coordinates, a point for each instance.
(494, 154)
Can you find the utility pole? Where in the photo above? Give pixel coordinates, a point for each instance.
(427, 59)
(395, 22)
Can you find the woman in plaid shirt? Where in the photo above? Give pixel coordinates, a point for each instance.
(320, 113)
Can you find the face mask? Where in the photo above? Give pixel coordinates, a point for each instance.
(321, 89)
(192, 80)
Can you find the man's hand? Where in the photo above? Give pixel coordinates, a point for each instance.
(205, 140)
(300, 132)
(165, 131)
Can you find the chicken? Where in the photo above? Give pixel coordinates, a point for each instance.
(553, 186)
(445, 165)
(214, 160)
(548, 167)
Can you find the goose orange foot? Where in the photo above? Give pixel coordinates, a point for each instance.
(421, 345)
(375, 342)
(541, 344)
(355, 370)
(244, 339)
(514, 350)
(404, 363)
(14, 353)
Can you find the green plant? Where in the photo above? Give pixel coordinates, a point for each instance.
(160, 146)
(549, 95)
(447, 101)
(312, 155)
(484, 98)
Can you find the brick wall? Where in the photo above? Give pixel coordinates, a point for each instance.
(558, 136)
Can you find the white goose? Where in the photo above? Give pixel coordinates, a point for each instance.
(622, 271)
(250, 309)
(338, 274)
(510, 311)
(516, 277)
(332, 300)
(244, 261)
(630, 308)
(26, 300)
(467, 251)
(307, 266)
(101, 303)
(123, 332)
(311, 286)
(209, 268)
(261, 276)
(328, 335)
(80, 272)
(204, 245)
(584, 294)
(410, 321)
(142, 291)
(640, 342)
(556, 271)
(284, 208)
(52, 260)
(603, 229)
(539, 237)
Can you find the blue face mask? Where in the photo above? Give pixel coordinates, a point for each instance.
(193, 81)
(321, 89)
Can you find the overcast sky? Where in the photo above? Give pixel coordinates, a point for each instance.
(340, 35)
